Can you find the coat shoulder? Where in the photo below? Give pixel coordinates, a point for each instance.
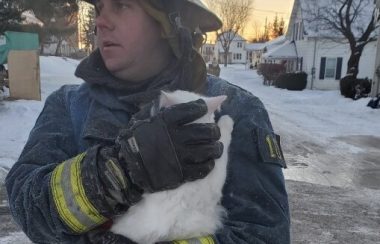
(241, 104)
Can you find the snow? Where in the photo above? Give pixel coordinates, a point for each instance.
(316, 127)
(287, 50)
(18, 117)
(30, 18)
(322, 133)
(15, 238)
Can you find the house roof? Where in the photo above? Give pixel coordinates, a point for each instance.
(30, 18)
(314, 27)
(237, 37)
(277, 41)
(254, 46)
(286, 50)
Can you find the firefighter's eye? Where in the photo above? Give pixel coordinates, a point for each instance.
(123, 4)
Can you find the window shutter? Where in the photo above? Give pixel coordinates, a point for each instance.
(301, 69)
(339, 68)
(322, 68)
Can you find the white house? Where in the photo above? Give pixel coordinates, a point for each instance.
(280, 51)
(237, 53)
(68, 47)
(254, 53)
(207, 52)
(309, 49)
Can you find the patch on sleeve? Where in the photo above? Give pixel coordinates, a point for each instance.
(269, 147)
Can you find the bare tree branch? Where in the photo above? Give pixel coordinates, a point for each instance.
(352, 20)
(234, 15)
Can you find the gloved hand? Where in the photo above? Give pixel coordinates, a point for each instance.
(165, 151)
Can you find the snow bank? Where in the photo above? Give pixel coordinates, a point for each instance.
(18, 117)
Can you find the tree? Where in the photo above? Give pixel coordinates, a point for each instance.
(275, 27)
(234, 15)
(10, 15)
(353, 19)
(281, 27)
(59, 18)
(272, 30)
(87, 25)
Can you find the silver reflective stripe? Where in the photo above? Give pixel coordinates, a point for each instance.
(69, 196)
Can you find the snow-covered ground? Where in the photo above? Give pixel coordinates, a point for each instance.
(317, 126)
(330, 142)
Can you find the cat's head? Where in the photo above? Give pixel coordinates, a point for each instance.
(168, 99)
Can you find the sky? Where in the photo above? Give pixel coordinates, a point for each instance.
(267, 9)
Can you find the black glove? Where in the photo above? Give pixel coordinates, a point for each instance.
(164, 151)
(106, 237)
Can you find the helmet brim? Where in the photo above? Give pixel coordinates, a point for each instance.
(196, 14)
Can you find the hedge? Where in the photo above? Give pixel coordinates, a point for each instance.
(292, 81)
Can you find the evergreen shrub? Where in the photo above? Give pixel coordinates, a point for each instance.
(292, 81)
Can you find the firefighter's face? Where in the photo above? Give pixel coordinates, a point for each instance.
(129, 40)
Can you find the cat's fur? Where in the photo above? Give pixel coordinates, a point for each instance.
(191, 210)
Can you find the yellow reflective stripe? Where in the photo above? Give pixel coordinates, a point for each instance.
(60, 201)
(207, 240)
(70, 198)
(181, 242)
(269, 142)
(80, 195)
(200, 240)
(277, 147)
(117, 173)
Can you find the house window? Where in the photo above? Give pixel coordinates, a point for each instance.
(237, 56)
(331, 68)
(239, 44)
(301, 31)
(295, 31)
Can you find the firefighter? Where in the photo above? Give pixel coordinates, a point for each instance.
(79, 168)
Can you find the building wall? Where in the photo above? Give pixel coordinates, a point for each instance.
(256, 56)
(237, 52)
(67, 49)
(207, 52)
(329, 49)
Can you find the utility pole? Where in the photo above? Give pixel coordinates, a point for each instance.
(376, 76)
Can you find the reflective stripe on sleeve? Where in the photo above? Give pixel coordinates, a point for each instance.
(200, 240)
(74, 208)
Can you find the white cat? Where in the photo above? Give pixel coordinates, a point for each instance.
(191, 210)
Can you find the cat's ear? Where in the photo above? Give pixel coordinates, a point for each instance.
(166, 100)
(214, 103)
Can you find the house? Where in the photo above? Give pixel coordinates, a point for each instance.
(280, 51)
(207, 52)
(311, 49)
(237, 53)
(254, 53)
(68, 46)
(376, 76)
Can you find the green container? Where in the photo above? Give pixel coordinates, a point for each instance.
(17, 41)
